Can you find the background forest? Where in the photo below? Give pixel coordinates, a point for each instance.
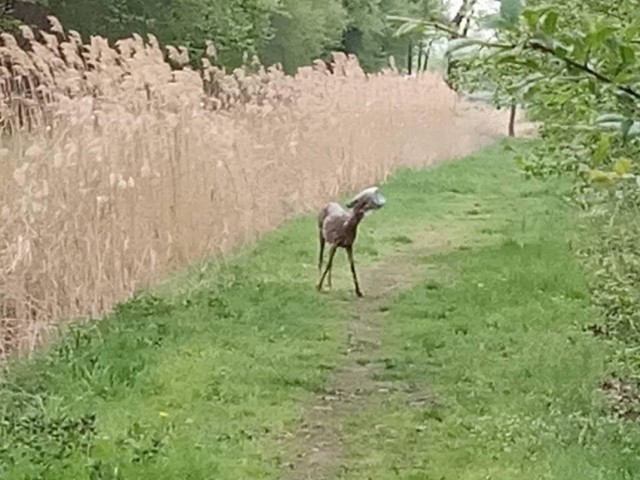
(290, 32)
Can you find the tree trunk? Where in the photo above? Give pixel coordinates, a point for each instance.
(450, 66)
(460, 22)
(427, 54)
(464, 13)
(512, 119)
(410, 58)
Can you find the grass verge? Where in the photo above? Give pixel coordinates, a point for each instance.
(495, 338)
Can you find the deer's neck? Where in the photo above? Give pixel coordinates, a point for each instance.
(354, 221)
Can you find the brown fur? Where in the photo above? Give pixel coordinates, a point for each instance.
(339, 228)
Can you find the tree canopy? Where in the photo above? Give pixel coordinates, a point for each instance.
(290, 32)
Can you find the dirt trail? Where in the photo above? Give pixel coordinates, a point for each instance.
(316, 451)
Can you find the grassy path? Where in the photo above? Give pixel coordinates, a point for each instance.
(465, 360)
(318, 446)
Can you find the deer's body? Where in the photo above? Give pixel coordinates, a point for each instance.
(339, 227)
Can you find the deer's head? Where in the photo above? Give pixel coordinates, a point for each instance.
(367, 200)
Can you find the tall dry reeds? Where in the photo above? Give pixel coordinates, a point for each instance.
(116, 169)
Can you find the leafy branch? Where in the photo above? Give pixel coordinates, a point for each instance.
(540, 47)
(412, 25)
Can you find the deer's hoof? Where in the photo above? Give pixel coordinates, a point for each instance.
(359, 294)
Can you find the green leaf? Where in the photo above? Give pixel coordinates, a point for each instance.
(610, 118)
(531, 17)
(599, 35)
(622, 166)
(625, 127)
(408, 27)
(626, 77)
(631, 32)
(591, 40)
(625, 97)
(578, 50)
(548, 22)
(400, 18)
(528, 82)
(606, 32)
(634, 130)
(602, 150)
(521, 163)
(628, 55)
(460, 43)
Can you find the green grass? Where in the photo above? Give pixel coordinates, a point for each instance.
(500, 350)
(199, 379)
(513, 376)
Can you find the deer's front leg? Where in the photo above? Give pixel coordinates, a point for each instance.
(353, 271)
(332, 252)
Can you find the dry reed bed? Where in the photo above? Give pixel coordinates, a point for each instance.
(130, 169)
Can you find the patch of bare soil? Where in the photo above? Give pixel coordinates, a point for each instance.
(316, 450)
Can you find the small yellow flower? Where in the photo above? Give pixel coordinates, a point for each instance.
(163, 414)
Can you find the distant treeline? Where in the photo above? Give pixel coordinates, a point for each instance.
(290, 32)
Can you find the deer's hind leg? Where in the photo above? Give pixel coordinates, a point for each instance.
(321, 256)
